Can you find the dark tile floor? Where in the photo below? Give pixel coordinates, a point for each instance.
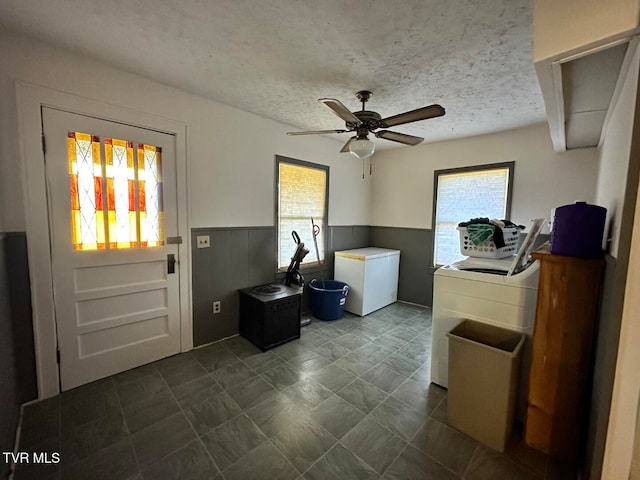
(350, 400)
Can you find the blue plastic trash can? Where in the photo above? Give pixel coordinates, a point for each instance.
(328, 298)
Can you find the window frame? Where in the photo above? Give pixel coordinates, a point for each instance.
(471, 168)
(302, 163)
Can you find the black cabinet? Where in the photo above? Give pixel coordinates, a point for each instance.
(270, 314)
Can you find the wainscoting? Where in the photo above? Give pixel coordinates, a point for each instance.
(243, 257)
(415, 283)
(17, 375)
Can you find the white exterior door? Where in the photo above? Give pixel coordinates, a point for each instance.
(112, 207)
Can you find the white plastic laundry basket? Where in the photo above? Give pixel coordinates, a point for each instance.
(488, 249)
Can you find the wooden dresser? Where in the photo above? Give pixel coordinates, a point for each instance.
(563, 343)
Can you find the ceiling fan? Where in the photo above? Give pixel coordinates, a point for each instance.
(366, 121)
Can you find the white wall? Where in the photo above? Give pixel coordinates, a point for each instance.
(402, 179)
(230, 153)
(614, 158)
(569, 25)
(623, 420)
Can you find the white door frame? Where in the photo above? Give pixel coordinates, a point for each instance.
(30, 98)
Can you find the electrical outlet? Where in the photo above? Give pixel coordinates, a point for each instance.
(217, 306)
(202, 241)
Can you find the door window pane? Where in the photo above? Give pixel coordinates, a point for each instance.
(121, 202)
(86, 188)
(116, 201)
(150, 185)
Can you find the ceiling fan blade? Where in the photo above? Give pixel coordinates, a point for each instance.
(423, 113)
(317, 132)
(340, 110)
(399, 137)
(345, 147)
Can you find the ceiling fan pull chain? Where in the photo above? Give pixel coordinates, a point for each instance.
(363, 168)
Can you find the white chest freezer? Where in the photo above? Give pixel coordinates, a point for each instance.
(372, 276)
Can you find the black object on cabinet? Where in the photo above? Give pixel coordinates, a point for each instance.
(270, 314)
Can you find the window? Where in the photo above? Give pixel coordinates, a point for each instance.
(464, 193)
(116, 193)
(303, 192)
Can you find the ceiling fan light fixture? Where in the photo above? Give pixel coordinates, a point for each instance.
(362, 148)
(364, 122)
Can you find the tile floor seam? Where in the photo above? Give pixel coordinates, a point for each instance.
(268, 398)
(361, 459)
(135, 456)
(367, 414)
(403, 401)
(287, 458)
(59, 415)
(267, 380)
(128, 437)
(198, 437)
(431, 457)
(466, 470)
(133, 448)
(233, 387)
(319, 458)
(78, 460)
(273, 444)
(121, 411)
(404, 374)
(250, 367)
(367, 371)
(355, 406)
(231, 420)
(407, 443)
(339, 442)
(387, 393)
(289, 360)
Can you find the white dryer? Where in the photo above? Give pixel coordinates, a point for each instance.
(497, 292)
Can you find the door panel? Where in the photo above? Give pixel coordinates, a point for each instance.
(116, 306)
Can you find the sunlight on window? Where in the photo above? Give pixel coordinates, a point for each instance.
(130, 215)
(121, 201)
(301, 197)
(85, 184)
(462, 196)
(150, 185)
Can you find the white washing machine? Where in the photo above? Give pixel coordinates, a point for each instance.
(497, 292)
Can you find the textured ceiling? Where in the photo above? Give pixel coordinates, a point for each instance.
(275, 58)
